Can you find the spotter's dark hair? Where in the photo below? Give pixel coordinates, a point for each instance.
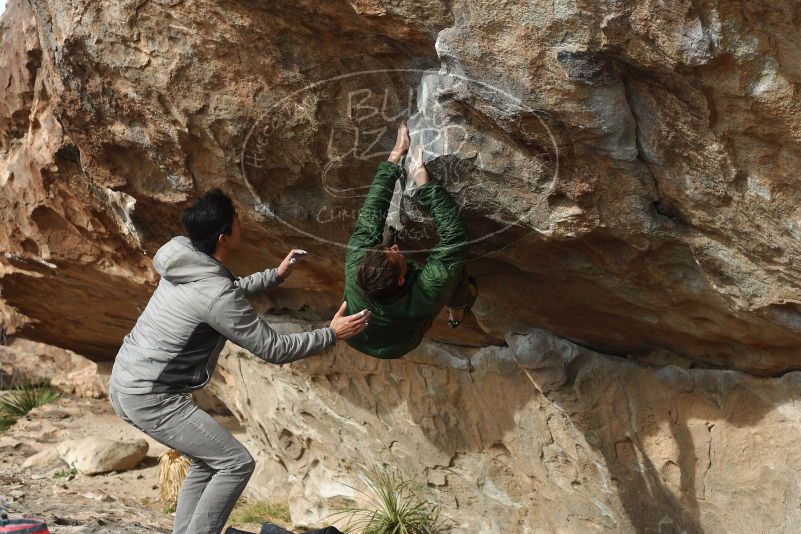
(209, 217)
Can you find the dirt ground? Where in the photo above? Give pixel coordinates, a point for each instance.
(117, 502)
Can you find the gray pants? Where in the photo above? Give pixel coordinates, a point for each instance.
(221, 466)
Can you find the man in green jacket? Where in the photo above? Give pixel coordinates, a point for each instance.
(404, 297)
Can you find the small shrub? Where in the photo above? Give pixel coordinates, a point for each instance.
(393, 505)
(21, 400)
(6, 422)
(68, 474)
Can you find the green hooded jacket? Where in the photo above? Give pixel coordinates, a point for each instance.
(399, 323)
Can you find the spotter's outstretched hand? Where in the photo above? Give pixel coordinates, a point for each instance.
(347, 326)
(289, 263)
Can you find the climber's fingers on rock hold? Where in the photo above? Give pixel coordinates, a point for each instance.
(402, 141)
(419, 172)
(417, 158)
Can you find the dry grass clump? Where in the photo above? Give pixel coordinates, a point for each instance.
(172, 472)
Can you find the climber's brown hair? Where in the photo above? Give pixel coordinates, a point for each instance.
(377, 275)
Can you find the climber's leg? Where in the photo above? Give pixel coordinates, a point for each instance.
(461, 300)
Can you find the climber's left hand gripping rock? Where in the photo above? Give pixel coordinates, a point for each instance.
(401, 143)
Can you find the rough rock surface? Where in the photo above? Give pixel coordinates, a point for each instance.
(48, 458)
(28, 362)
(542, 436)
(626, 172)
(95, 455)
(626, 168)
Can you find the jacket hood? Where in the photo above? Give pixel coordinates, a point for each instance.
(181, 263)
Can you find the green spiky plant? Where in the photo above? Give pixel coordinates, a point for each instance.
(22, 399)
(6, 422)
(393, 505)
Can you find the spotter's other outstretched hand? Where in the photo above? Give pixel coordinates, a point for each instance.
(347, 326)
(289, 263)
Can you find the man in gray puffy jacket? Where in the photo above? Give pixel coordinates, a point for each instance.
(173, 349)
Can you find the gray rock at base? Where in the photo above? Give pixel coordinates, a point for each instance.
(46, 458)
(91, 456)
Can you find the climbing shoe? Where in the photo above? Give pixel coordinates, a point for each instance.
(467, 309)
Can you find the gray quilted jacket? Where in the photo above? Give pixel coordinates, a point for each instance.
(196, 307)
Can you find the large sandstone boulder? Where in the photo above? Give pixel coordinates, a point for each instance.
(627, 173)
(542, 436)
(626, 168)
